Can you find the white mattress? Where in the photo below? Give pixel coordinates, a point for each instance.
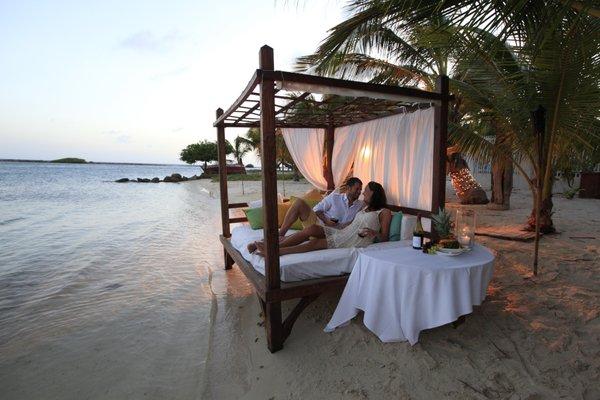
(301, 266)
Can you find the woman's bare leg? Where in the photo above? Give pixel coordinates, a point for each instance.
(298, 210)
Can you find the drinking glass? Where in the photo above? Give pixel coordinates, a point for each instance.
(465, 228)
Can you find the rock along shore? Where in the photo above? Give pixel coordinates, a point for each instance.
(174, 178)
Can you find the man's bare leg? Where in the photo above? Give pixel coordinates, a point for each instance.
(305, 234)
(304, 247)
(298, 210)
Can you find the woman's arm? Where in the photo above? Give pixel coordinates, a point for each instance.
(385, 218)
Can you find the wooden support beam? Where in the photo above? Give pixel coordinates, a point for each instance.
(288, 324)
(292, 103)
(241, 99)
(440, 135)
(223, 188)
(273, 323)
(320, 84)
(238, 205)
(328, 162)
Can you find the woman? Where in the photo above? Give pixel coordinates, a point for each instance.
(371, 222)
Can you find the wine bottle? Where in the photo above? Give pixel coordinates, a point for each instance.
(418, 234)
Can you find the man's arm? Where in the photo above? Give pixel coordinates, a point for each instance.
(321, 207)
(324, 218)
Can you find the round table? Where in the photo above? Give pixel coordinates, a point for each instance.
(403, 291)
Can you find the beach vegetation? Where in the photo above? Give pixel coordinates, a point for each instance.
(70, 160)
(204, 151)
(256, 176)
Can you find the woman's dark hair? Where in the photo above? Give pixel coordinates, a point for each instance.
(378, 198)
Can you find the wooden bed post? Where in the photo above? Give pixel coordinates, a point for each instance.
(440, 135)
(327, 170)
(273, 324)
(223, 188)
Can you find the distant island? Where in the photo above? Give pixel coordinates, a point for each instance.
(70, 160)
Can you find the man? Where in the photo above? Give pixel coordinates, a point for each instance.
(336, 210)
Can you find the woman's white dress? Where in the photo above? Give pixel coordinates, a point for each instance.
(348, 236)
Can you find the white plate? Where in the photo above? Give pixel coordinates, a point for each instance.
(451, 252)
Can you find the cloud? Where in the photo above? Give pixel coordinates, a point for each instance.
(176, 130)
(148, 41)
(118, 136)
(123, 139)
(170, 74)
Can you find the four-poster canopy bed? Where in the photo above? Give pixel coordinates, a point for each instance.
(270, 101)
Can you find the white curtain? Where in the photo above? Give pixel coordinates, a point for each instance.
(306, 148)
(396, 151)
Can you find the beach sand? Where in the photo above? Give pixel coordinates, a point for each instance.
(532, 338)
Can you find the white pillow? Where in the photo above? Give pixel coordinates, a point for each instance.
(255, 203)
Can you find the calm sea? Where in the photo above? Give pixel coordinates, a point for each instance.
(102, 283)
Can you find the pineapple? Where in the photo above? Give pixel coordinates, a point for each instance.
(443, 227)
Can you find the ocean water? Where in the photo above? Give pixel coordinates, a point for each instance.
(104, 286)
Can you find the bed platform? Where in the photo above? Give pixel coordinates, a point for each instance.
(266, 103)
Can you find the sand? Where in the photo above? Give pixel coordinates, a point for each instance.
(532, 338)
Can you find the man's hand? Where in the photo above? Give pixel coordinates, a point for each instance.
(329, 222)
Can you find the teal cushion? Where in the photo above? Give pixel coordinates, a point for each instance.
(396, 227)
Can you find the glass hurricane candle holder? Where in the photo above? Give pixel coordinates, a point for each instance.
(465, 228)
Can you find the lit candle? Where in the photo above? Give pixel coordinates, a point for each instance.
(464, 240)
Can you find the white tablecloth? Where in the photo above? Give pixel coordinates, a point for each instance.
(403, 291)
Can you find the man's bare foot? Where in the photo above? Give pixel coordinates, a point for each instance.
(252, 247)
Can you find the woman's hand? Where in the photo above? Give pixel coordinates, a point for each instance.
(368, 232)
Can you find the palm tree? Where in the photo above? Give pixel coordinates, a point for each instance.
(284, 158)
(556, 66)
(240, 148)
(552, 60)
(411, 55)
(252, 140)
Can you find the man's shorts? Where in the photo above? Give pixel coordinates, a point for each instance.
(311, 220)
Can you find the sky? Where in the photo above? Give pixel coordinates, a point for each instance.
(137, 81)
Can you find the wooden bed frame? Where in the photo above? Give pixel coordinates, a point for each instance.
(361, 102)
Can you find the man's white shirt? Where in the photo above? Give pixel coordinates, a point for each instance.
(335, 205)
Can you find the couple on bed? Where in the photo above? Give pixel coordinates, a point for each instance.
(340, 220)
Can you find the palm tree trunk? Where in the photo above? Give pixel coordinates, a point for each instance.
(296, 173)
(466, 187)
(502, 184)
(546, 224)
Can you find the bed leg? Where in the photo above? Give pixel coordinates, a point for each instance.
(228, 259)
(273, 326)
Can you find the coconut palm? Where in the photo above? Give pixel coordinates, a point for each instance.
(413, 55)
(240, 148)
(560, 72)
(552, 60)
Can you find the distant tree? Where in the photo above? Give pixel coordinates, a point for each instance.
(204, 151)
